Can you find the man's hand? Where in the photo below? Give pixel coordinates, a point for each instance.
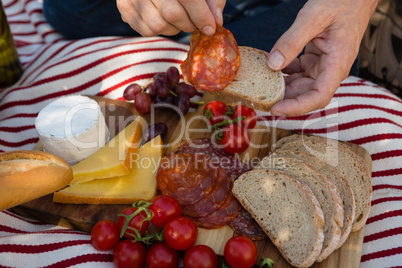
(331, 32)
(169, 17)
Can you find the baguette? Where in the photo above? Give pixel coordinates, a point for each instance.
(255, 84)
(27, 175)
(349, 167)
(286, 210)
(325, 192)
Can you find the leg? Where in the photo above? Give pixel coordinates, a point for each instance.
(76, 19)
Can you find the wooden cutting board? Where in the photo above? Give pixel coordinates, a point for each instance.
(118, 114)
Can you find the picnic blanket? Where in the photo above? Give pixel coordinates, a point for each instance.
(360, 112)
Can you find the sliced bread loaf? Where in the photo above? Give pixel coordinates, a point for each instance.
(287, 211)
(331, 142)
(255, 84)
(349, 167)
(344, 189)
(325, 191)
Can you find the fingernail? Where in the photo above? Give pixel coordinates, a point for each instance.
(276, 60)
(277, 113)
(218, 13)
(208, 30)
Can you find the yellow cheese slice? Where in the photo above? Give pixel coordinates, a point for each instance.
(110, 160)
(139, 184)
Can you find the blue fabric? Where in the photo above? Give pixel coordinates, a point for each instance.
(76, 19)
(255, 23)
(259, 26)
(262, 26)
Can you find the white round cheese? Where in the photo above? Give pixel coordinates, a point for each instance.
(72, 127)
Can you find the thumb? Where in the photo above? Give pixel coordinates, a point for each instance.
(304, 29)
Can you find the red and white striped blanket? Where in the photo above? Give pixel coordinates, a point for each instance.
(360, 112)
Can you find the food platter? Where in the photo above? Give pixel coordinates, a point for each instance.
(118, 114)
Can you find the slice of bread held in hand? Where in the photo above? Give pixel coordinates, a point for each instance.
(286, 210)
(325, 191)
(329, 172)
(255, 85)
(349, 167)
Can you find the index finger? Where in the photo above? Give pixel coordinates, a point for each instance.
(201, 15)
(174, 13)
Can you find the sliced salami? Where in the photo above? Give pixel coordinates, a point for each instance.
(216, 155)
(212, 61)
(244, 224)
(213, 200)
(226, 213)
(186, 177)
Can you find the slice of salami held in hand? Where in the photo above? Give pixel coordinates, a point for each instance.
(212, 61)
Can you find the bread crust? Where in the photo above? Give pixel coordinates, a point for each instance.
(341, 144)
(320, 239)
(318, 216)
(247, 71)
(27, 175)
(340, 182)
(334, 223)
(362, 192)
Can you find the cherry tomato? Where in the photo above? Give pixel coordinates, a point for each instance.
(235, 139)
(105, 235)
(164, 208)
(215, 111)
(134, 223)
(161, 255)
(250, 115)
(240, 252)
(180, 233)
(200, 256)
(129, 254)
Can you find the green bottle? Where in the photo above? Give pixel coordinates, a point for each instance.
(10, 66)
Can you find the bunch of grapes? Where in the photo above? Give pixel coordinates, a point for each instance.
(165, 88)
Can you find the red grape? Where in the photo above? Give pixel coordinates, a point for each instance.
(160, 75)
(131, 90)
(183, 103)
(142, 103)
(154, 130)
(162, 88)
(170, 99)
(172, 76)
(186, 89)
(158, 91)
(150, 90)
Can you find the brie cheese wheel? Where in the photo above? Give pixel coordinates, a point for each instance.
(72, 127)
